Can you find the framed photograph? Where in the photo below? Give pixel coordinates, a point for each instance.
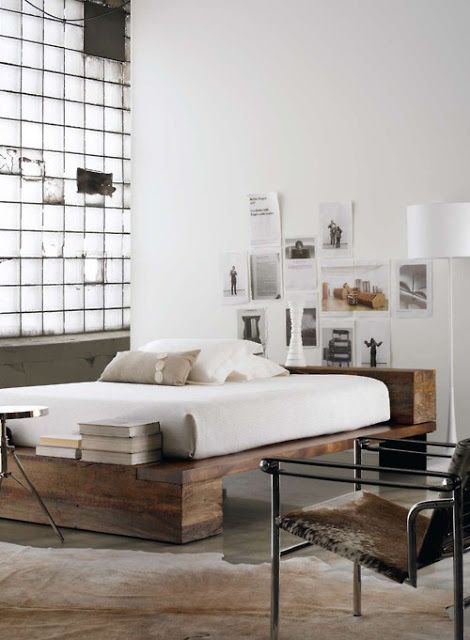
(373, 344)
(300, 265)
(336, 229)
(338, 343)
(359, 287)
(251, 325)
(234, 276)
(413, 288)
(309, 323)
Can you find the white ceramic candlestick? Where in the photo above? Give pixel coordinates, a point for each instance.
(295, 354)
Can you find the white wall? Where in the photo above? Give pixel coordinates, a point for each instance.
(365, 100)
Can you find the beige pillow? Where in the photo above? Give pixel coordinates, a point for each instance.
(139, 367)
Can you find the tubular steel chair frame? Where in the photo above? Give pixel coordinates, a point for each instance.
(452, 485)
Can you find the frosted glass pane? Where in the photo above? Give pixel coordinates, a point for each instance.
(113, 220)
(73, 37)
(53, 298)
(94, 117)
(112, 95)
(74, 114)
(74, 218)
(127, 146)
(93, 296)
(74, 140)
(94, 320)
(94, 163)
(56, 7)
(53, 271)
(53, 32)
(126, 97)
(74, 321)
(53, 217)
(113, 144)
(72, 161)
(127, 295)
(126, 221)
(32, 164)
(9, 215)
(31, 191)
(73, 271)
(73, 296)
(74, 9)
(31, 271)
(31, 324)
(112, 319)
(126, 72)
(10, 24)
(52, 243)
(94, 67)
(94, 271)
(9, 244)
(10, 272)
(74, 63)
(31, 298)
(10, 103)
(94, 200)
(32, 28)
(94, 220)
(127, 171)
(53, 323)
(31, 244)
(74, 88)
(113, 269)
(126, 202)
(126, 246)
(127, 319)
(127, 46)
(116, 200)
(10, 325)
(53, 164)
(114, 166)
(94, 245)
(71, 194)
(53, 138)
(9, 160)
(53, 59)
(10, 132)
(32, 81)
(11, 50)
(9, 299)
(11, 4)
(10, 78)
(94, 91)
(53, 85)
(31, 108)
(31, 217)
(113, 71)
(127, 121)
(94, 142)
(113, 295)
(11, 188)
(53, 190)
(73, 245)
(32, 55)
(32, 134)
(53, 111)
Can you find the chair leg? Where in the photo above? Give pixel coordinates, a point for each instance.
(275, 556)
(357, 588)
(458, 567)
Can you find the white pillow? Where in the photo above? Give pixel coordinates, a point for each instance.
(251, 367)
(216, 359)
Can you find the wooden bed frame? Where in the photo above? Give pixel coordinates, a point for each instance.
(180, 501)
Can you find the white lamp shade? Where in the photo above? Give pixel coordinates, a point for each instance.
(439, 230)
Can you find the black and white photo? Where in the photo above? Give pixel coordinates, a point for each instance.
(309, 323)
(265, 271)
(252, 325)
(234, 274)
(336, 229)
(337, 343)
(373, 343)
(265, 219)
(300, 265)
(359, 287)
(413, 288)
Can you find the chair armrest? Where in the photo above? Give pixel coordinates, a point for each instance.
(443, 503)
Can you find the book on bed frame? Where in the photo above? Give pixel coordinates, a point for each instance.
(181, 500)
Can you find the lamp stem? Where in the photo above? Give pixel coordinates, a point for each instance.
(451, 424)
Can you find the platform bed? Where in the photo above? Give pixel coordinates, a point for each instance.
(181, 501)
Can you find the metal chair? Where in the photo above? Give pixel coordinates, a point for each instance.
(353, 525)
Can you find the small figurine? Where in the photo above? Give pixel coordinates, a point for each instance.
(373, 346)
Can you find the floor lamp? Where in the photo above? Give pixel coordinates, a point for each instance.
(442, 231)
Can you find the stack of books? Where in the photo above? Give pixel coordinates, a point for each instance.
(60, 446)
(121, 441)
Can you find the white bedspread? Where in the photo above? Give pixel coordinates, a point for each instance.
(205, 421)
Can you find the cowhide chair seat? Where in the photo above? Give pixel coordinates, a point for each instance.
(362, 527)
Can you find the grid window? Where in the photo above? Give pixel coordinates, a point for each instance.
(64, 235)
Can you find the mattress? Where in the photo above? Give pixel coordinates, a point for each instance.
(204, 421)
